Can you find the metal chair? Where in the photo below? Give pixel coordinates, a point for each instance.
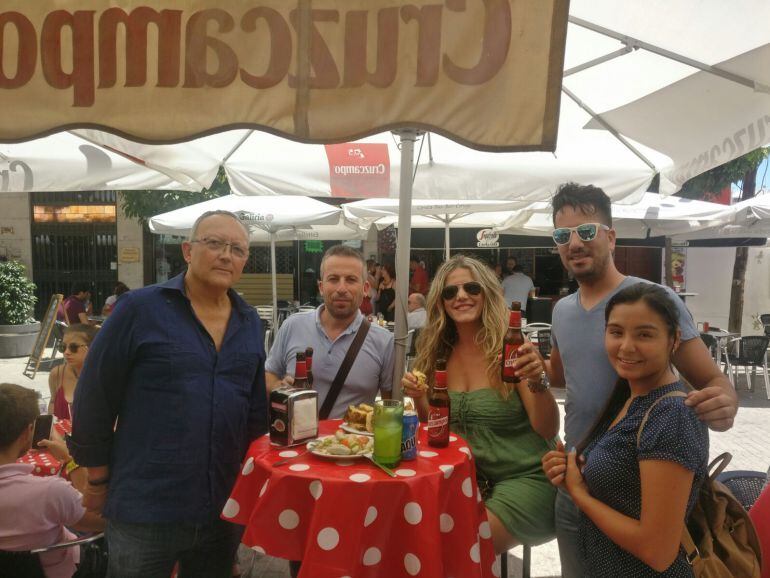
(526, 560)
(719, 354)
(764, 319)
(746, 485)
(26, 564)
(540, 335)
(752, 352)
(543, 340)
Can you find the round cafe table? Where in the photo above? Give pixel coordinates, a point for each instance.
(345, 518)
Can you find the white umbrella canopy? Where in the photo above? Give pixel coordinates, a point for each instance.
(68, 162)
(653, 216)
(749, 218)
(440, 213)
(269, 219)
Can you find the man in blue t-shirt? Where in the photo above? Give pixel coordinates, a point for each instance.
(582, 217)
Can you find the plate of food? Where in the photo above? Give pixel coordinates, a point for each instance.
(341, 445)
(358, 419)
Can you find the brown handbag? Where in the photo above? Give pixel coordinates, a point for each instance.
(718, 539)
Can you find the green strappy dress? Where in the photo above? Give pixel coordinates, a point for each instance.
(507, 452)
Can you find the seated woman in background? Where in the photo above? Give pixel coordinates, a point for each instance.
(64, 378)
(508, 427)
(636, 491)
(109, 303)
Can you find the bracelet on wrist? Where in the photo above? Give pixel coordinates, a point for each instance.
(70, 467)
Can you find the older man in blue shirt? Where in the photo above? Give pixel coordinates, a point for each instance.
(171, 396)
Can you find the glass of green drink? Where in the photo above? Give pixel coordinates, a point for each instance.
(388, 422)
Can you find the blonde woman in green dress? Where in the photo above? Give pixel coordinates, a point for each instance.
(509, 427)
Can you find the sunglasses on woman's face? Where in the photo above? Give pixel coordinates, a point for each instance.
(586, 232)
(450, 291)
(73, 347)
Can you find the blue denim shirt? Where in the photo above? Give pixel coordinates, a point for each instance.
(185, 412)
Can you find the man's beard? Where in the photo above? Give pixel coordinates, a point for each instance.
(593, 273)
(350, 309)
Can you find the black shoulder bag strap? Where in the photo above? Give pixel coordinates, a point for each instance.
(342, 374)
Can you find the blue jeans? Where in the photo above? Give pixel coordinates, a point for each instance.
(151, 550)
(567, 521)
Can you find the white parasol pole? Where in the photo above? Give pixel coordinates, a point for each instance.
(275, 283)
(446, 238)
(408, 137)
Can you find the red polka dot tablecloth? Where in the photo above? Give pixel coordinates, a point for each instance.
(346, 518)
(44, 463)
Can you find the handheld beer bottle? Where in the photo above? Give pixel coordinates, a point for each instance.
(439, 406)
(515, 305)
(309, 365)
(511, 342)
(300, 372)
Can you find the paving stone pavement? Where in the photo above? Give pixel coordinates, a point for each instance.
(748, 441)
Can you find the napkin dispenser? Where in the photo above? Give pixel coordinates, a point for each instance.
(293, 416)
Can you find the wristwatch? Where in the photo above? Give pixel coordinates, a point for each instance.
(542, 385)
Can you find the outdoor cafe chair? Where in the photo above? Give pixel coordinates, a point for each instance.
(764, 319)
(540, 335)
(745, 485)
(27, 564)
(752, 352)
(525, 563)
(718, 352)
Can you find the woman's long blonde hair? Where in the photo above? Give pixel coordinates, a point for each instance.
(437, 339)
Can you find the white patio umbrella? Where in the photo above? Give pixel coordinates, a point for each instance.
(749, 218)
(440, 213)
(269, 219)
(653, 216)
(68, 162)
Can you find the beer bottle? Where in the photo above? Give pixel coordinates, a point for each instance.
(511, 342)
(515, 305)
(439, 405)
(309, 365)
(300, 372)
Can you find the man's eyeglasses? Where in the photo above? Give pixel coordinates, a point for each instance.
(217, 246)
(450, 291)
(73, 347)
(586, 232)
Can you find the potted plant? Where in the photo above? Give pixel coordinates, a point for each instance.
(18, 330)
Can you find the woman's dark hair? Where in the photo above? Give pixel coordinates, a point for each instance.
(120, 288)
(657, 299)
(390, 269)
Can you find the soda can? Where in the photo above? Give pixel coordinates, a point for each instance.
(409, 436)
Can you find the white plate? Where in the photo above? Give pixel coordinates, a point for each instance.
(350, 429)
(311, 448)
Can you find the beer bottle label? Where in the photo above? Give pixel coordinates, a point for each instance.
(510, 353)
(438, 422)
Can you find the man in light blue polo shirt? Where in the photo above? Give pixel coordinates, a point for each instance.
(330, 331)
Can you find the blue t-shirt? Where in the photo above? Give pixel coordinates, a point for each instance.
(371, 371)
(579, 335)
(672, 433)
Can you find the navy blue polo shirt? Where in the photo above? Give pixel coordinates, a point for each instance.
(185, 412)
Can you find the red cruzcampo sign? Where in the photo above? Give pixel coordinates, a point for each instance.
(359, 170)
